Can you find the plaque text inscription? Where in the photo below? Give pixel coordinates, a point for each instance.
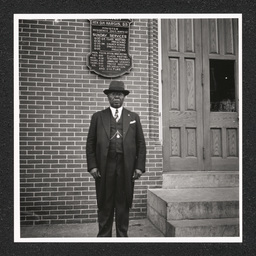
(109, 55)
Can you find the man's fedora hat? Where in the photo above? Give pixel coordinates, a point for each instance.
(116, 86)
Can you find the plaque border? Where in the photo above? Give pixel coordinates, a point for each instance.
(128, 51)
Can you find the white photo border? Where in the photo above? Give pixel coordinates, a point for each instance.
(17, 229)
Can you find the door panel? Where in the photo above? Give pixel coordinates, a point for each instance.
(182, 96)
(219, 42)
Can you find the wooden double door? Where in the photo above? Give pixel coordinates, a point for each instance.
(200, 94)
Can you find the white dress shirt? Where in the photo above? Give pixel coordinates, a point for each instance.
(113, 110)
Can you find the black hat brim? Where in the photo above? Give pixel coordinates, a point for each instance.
(125, 92)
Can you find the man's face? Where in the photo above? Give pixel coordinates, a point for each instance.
(116, 99)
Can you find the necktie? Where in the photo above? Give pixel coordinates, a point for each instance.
(116, 115)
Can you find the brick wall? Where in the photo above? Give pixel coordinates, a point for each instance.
(58, 96)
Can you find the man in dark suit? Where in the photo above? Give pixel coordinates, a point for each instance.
(116, 154)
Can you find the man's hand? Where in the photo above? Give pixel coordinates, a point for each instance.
(137, 174)
(95, 173)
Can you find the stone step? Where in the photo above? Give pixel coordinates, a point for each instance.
(200, 179)
(203, 228)
(191, 204)
(203, 203)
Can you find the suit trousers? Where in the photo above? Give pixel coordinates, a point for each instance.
(115, 199)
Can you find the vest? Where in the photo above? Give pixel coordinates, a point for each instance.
(116, 135)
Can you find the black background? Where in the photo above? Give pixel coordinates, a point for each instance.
(9, 7)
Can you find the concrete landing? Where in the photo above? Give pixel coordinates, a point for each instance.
(137, 228)
(200, 179)
(199, 194)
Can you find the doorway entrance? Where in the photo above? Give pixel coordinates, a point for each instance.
(200, 94)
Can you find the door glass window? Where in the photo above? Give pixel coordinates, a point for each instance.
(222, 85)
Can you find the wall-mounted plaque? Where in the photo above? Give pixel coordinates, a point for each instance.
(109, 55)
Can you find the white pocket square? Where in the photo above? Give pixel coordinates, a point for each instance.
(132, 122)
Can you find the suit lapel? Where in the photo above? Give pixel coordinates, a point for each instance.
(126, 121)
(105, 115)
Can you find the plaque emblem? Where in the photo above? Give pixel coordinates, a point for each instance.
(109, 56)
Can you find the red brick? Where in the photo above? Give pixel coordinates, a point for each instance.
(58, 97)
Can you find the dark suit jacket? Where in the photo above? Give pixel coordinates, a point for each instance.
(134, 149)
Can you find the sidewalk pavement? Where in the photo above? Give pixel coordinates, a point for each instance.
(137, 228)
